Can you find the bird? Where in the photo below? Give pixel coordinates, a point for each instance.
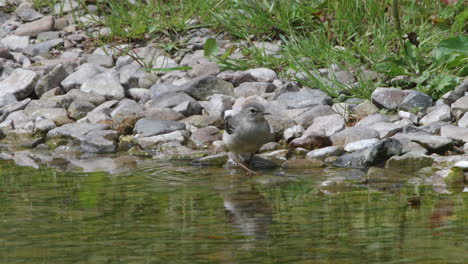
(246, 132)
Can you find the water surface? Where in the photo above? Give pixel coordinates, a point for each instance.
(172, 212)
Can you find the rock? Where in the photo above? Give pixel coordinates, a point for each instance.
(433, 128)
(236, 77)
(79, 109)
(416, 101)
(263, 74)
(304, 98)
(460, 107)
(7, 99)
(99, 141)
(270, 146)
(7, 109)
(5, 54)
(303, 164)
(76, 94)
(411, 162)
(81, 75)
(463, 122)
(48, 35)
(366, 108)
(335, 185)
(218, 104)
(204, 68)
(51, 80)
(15, 43)
(100, 60)
(462, 88)
(35, 27)
(106, 84)
(202, 87)
(247, 89)
(42, 48)
(163, 62)
(306, 118)
(268, 48)
(26, 12)
(435, 144)
(129, 75)
(20, 83)
(169, 100)
(351, 134)
(149, 127)
(371, 155)
(23, 158)
(101, 114)
(439, 113)
(454, 132)
(213, 160)
(277, 157)
(204, 137)
(323, 153)
(292, 133)
(389, 98)
(360, 144)
(125, 115)
(154, 141)
(138, 94)
(328, 125)
(43, 125)
(463, 165)
(385, 129)
(74, 130)
(203, 121)
(407, 115)
(188, 108)
(372, 119)
(312, 140)
(57, 115)
(163, 114)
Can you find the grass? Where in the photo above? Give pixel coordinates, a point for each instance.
(349, 34)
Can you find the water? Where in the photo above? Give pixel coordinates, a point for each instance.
(171, 212)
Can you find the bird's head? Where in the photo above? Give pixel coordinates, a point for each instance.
(254, 111)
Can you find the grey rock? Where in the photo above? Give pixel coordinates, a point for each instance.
(304, 98)
(7, 109)
(409, 162)
(138, 94)
(74, 130)
(270, 146)
(407, 115)
(43, 125)
(203, 121)
(51, 80)
(169, 100)
(460, 107)
(19, 120)
(125, 115)
(415, 100)
(372, 119)
(48, 35)
(162, 62)
(6, 54)
(432, 143)
(65, 7)
(106, 84)
(204, 68)
(311, 140)
(454, 132)
(346, 78)
(76, 94)
(101, 60)
(360, 144)
(188, 108)
(20, 83)
(79, 109)
(58, 115)
(42, 48)
(218, 104)
(462, 88)
(433, 128)
(293, 132)
(213, 160)
(268, 48)
(99, 141)
(23, 158)
(323, 153)
(163, 114)
(385, 129)
(288, 87)
(26, 12)
(15, 43)
(82, 74)
(371, 155)
(328, 125)
(352, 134)
(450, 97)
(389, 98)
(463, 165)
(236, 77)
(306, 118)
(366, 108)
(159, 89)
(439, 113)
(7, 99)
(35, 27)
(203, 137)
(263, 74)
(130, 74)
(253, 88)
(150, 127)
(203, 87)
(101, 114)
(153, 142)
(463, 122)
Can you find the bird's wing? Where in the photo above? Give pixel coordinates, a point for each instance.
(230, 124)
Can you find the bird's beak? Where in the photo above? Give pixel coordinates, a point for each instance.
(266, 113)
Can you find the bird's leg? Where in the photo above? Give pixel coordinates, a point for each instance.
(240, 163)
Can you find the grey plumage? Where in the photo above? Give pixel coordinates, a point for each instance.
(247, 131)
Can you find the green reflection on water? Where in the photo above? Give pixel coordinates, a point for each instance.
(176, 213)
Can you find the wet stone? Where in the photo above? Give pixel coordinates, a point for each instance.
(149, 127)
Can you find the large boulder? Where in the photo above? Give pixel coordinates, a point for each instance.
(20, 83)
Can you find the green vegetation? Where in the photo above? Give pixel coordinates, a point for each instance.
(422, 39)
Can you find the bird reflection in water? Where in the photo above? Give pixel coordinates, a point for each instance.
(248, 210)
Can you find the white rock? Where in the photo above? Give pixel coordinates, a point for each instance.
(360, 144)
(15, 43)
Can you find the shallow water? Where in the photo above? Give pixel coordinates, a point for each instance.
(171, 212)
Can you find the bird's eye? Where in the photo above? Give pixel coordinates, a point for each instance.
(252, 110)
